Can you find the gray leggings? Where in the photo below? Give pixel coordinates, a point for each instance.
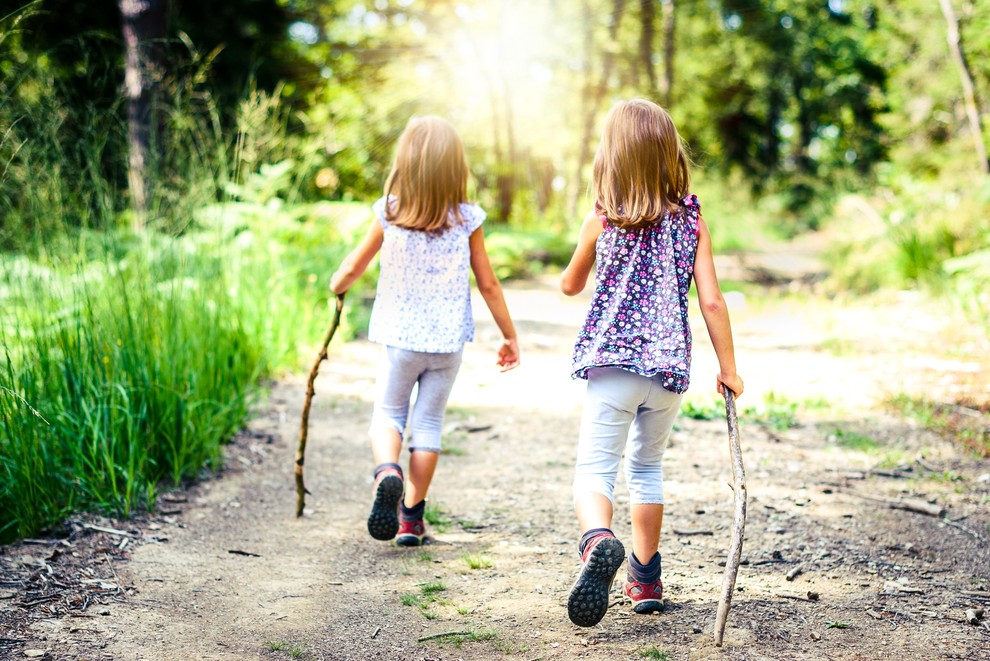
(616, 400)
(402, 370)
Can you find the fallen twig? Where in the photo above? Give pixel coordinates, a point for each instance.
(921, 461)
(245, 553)
(965, 529)
(310, 391)
(909, 504)
(448, 634)
(691, 533)
(793, 573)
(738, 519)
(116, 579)
(109, 531)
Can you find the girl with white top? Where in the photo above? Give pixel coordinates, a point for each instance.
(430, 240)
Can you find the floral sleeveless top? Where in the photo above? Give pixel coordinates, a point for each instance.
(638, 319)
(423, 301)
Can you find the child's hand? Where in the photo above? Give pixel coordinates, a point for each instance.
(730, 381)
(335, 283)
(508, 355)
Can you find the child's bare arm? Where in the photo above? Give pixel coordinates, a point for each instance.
(491, 291)
(575, 276)
(357, 261)
(715, 313)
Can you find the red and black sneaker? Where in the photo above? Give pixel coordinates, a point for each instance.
(587, 602)
(383, 522)
(411, 533)
(646, 597)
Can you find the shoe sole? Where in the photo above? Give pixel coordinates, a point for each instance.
(647, 606)
(409, 540)
(588, 600)
(383, 522)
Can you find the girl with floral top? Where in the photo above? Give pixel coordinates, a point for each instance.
(430, 240)
(648, 238)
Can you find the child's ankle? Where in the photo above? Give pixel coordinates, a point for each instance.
(590, 535)
(413, 513)
(388, 466)
(644, 572)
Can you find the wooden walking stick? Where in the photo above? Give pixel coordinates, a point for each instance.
(310, 391)
(738, 521)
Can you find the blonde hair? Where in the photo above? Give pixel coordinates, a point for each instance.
(429, 176)
(641, 168)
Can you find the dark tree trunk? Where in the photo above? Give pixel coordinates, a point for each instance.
(144, 24)
(508, 170)
(668, 53)
(647, 34)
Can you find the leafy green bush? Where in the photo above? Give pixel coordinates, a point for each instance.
(929, 234)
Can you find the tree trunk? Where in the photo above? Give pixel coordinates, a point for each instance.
(507, 171)
(144, 26)
(668, 53)
(594, 95)
(647, 17)
(969, 95)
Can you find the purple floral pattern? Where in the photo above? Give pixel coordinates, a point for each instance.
(638, 319)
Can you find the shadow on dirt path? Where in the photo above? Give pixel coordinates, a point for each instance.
(230, 574)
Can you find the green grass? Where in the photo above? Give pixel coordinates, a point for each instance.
(457, 639)
(477, 561)
(776, 412)
(432, 587)
(276, 645)
(436, 517)
(654, 652)
(837, 624)
(702, 408)
(128, 359)
(965, 424)
(855, 441)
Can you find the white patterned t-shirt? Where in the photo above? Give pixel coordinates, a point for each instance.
(423, 301)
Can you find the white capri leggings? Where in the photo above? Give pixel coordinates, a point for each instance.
(402, 369)
(615, 400)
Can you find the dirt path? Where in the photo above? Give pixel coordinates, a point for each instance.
(890, 583)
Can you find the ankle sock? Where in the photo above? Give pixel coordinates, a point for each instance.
(413, 513)
(644, 573)
(591, 534)
(380, 467)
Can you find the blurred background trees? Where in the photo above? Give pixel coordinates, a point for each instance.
(798, 99)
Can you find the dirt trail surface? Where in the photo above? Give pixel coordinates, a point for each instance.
(224, 570)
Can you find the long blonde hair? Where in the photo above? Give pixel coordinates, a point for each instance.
(429, 176)
(641, 168)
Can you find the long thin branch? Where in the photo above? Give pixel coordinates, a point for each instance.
(310, 391)
(738, 522)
